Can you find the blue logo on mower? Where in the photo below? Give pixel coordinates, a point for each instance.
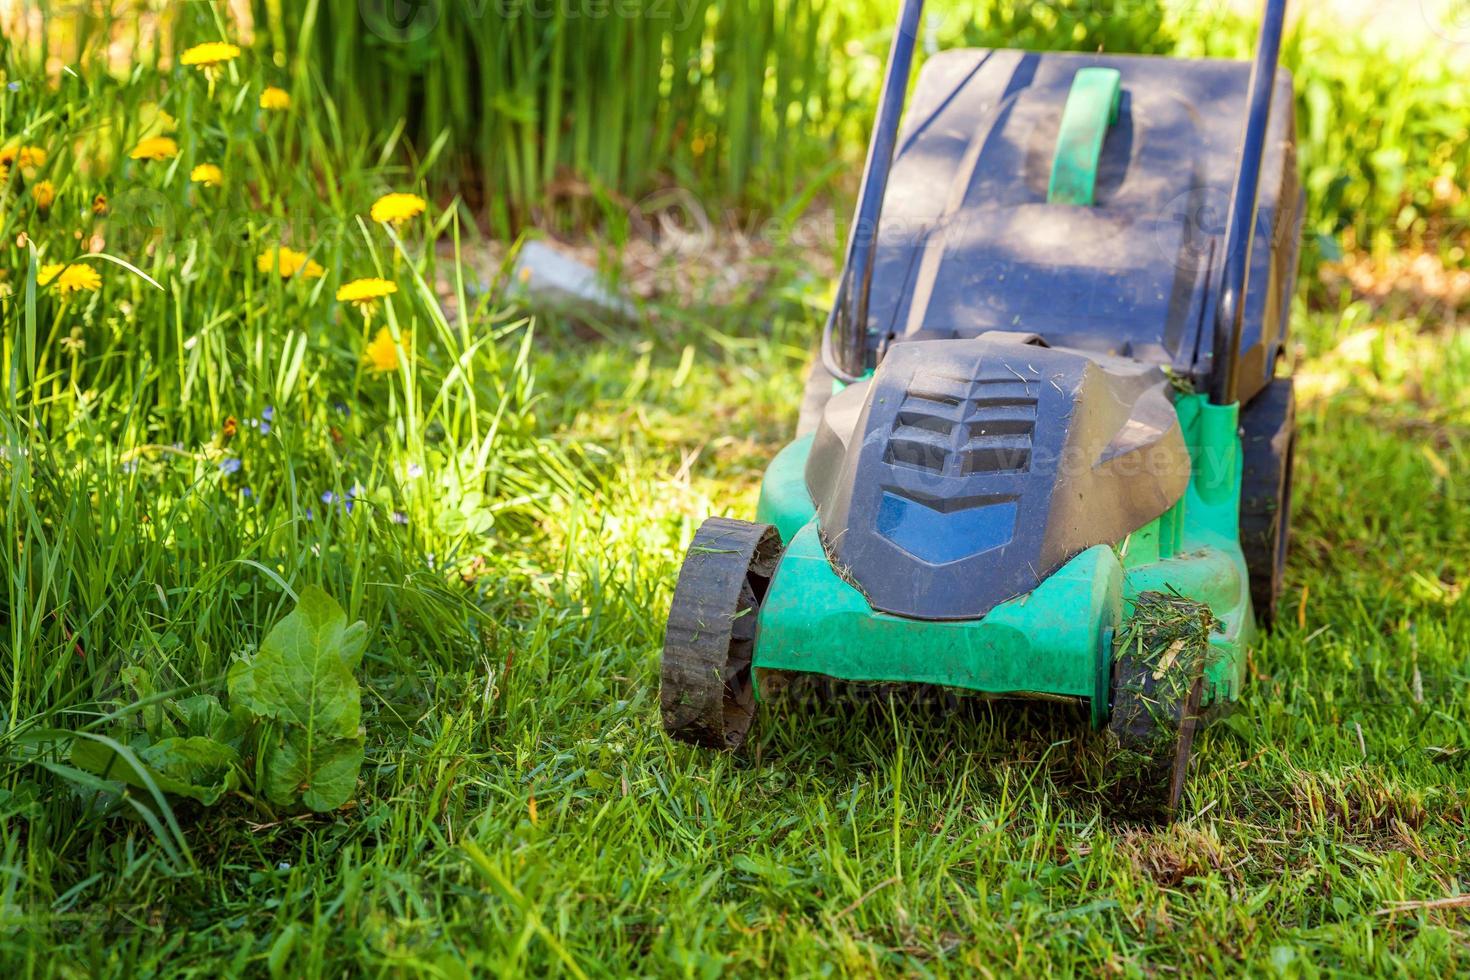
(938, 536)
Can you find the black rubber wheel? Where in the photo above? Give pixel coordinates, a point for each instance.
(1158, 682)
(706, 692)
(1268, 442)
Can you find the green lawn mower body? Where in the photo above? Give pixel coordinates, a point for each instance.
(1048, 397)
(1054, 639)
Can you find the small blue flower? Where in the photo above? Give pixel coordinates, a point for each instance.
(14, 86)
(399, 517)
(329, 498)
(265, 428)
(415, 471)
(230, 465)
(342, 407)
(131, 466)
(247, 493)
(268, 413)
(308, 513)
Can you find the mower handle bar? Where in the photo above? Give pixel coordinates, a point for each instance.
(845, 334)
(1240, 227)
(848, 321)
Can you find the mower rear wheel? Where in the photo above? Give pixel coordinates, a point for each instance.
(1268, 443)
(706, 693)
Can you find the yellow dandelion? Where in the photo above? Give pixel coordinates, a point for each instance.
(207, 174)
(155, 148)
(44, 192)
(26, 156)
(397, 208)
(365, 293)
(209, 55)
(360, 290)
(383, 353)
(69, 278)
(275, 99)
(100, 206)
(287, 262)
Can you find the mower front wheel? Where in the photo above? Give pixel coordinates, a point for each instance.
(707, 694)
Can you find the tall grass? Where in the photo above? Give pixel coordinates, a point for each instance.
(549, 108)
(193, 438)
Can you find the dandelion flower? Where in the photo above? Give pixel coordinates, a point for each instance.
(384, 353)
(45, 193)
(207, 174)
(100, 206)
(275, 99)
(365, 293)
(209, 55)
(26, 156)
(287, 262)
(397, 208)
(155, 148)
(69, 278)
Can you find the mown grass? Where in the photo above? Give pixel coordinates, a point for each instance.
(520, 811)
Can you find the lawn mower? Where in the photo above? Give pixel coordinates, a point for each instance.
(1047, 450)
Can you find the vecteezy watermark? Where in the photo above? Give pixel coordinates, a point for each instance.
(677, 219)
(143, 221)
(1191, 222)
(1450, 19)
(401, 21)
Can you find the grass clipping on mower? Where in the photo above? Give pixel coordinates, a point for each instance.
(1159, 653)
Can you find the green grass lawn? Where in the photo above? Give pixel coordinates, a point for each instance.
(190, 444)
(521, 811)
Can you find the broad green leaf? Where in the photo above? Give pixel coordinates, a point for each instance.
(195, 767)
(322, 772)
(302, 674)
(302, 679)
(202, 714)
